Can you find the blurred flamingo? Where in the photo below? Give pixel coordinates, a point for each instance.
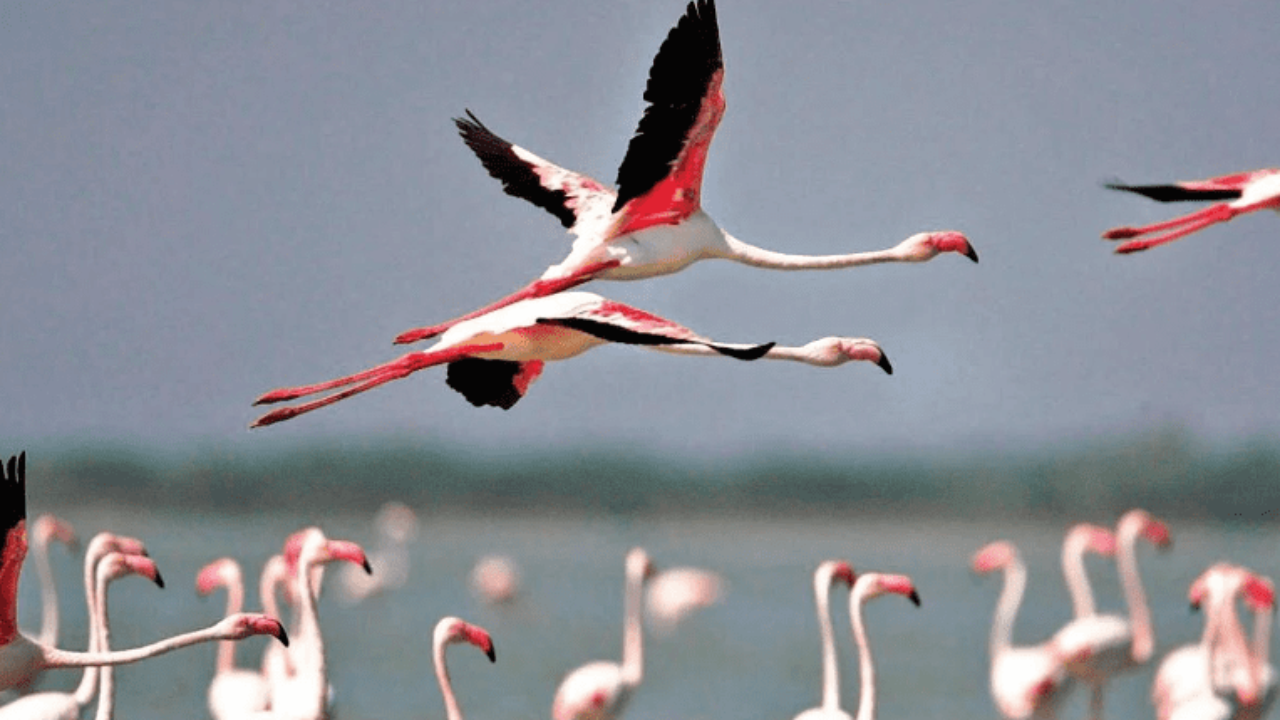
(451, 630)
(824, 578)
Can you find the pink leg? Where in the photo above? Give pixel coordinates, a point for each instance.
(535, 289)
(1219, 213)
(367, 380)
(1225, 213)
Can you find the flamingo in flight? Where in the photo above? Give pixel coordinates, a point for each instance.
(653, 224)
(1243, 192)
(492, 359)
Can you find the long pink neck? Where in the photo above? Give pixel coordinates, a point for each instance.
(1015, 583)
(1073, 572)
(1135, 597)
(94, 588)
(451, 709)
(822, 581)
(866, 667)
(632, 634)
(1229, 651)
(308, 654)
(233, 580)
(107, 693)
(48, 591)
(56, 658)
(748, 254)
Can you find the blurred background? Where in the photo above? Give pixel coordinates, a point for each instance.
(202, 202)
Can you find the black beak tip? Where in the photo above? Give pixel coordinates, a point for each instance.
(159, 581)
(283, 637)
(972, 255)
(493, 656)
(368, 569)
(885, 364)
(915, 598)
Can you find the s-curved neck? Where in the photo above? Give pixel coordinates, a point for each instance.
(57, 658)
(1077, 579)
(1134, 595)
(866, 667)
(234, 583)
(749, 254)
(633, 632)
(451, 709)
(107, 691)
(48, 592)
(822, 581)
(1015, 583)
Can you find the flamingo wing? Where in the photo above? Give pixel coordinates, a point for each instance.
(566, 194)
(1223, 187)
(616, 322)
(660, 177)
(13, 541)
(500, 383)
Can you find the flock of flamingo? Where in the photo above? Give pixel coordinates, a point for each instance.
(652, 224)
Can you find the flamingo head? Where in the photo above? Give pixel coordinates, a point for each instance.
(842, 571)
(1140, 523)
(877, 584)
(1260, 594)
(833, 351)
(639, 565)
(994, 556)
(1099, 540)
(242, 625)
(117, 565)
(452, 630)
(926, 246)
(219, 573)
(47, 527)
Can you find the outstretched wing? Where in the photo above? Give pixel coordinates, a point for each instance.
(500, 383)
(616, 322)
(566, 194)
(13, 540)
(660, 178)
(1223, 187)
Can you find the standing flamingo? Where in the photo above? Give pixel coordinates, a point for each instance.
(492, 359)
(1262, 601)
(873, 585)
(48, 528)
(600, 690)
(305, 693)
(1026, 681)
(1081, 538)
(823, 579)
(1245, 193)
(234, 692)
(654, 223)
(275, 660)
(1103, 646)
(1214, 678)
(68, 705)
(674, 594)
(451, 630)
(396, 525)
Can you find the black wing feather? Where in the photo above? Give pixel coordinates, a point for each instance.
(517, 176)
(614, 333)
(13, 499)
(678, 82)
(1174, 193)
(485, 382)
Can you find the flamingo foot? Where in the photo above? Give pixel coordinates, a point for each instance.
(1121, 233)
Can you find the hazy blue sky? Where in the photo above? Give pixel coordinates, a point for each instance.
(200, 202)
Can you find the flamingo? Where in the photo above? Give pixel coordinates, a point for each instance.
(1211, 679)
(1030, 680)
(872, 585)
(396, 525)
(675, 593)
(1262, 601)
(275, 660)
(824, 578)
(1080, 538)
(600, 690)
(233, 692)
(653, 224)
(305, 693)
(494, 358)
(1103, 646)
(495, 579)
(1244, 192)
(451, 630)
(46, 528)
(68, 705)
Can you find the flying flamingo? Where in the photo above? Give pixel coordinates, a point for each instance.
(305, 693)
(396, 525)
(234, 692)
(823, 579)
(653, 224)
(451, 630)
(872, 585)
(1212, 679)
(46, 528)
(495, 579)
(1244, 192)
(600, 690)
(674, 594)
(494, 358)
(1030, 680)
(68, 705)
(1081, 538)
(1103, 646)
